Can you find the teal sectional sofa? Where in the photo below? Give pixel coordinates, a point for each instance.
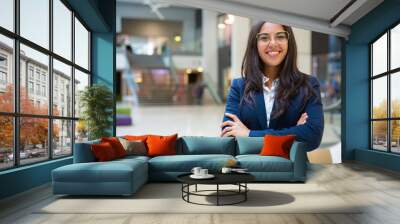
(125, 176)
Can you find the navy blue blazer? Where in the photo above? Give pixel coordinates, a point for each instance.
(254, 116)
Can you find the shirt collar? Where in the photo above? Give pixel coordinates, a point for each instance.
(274, 83)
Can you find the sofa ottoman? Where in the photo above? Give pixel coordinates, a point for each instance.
(119, 177)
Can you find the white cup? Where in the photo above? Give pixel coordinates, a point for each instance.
(196, 171)
(203, 172)
(226, 170)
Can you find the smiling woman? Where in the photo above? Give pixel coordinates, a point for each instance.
(273, 97)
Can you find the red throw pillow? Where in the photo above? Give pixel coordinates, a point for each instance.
(116, 145)
(277, 145)
(161, 145)
(103, 152)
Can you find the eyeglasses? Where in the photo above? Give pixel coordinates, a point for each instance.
(280, 37)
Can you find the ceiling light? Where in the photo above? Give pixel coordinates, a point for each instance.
(178, 38)
(230, 19)
(221, 26)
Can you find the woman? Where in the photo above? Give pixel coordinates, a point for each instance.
(273, 96)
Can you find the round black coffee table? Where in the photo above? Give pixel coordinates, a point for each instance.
(238, 179)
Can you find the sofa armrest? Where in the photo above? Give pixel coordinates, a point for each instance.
(299, 158)
(83, 152)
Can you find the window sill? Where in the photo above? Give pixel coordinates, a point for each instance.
(26, 167)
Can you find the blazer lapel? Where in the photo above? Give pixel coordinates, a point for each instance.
(260, 109)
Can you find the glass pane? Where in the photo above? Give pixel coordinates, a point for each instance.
(34, 97)
(62, 138)
(395, 138)
(81, 45)
(379, 135)
(62, 89)
(62, 29)
(33, 139)
(379, 97)
(81, 81)
(395, 95)
(6, 74)
(7, 14)
(379, 55)
(395, 47)
(6, 142)
(35, 21)
(81, 131)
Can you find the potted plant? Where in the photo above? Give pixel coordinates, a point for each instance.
(96, 104)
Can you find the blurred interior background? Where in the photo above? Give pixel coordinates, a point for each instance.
(175, 65)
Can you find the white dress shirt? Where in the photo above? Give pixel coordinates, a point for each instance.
(269, 96)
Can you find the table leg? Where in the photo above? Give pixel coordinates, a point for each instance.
(245, 191)
(188, 190)
(217, 194)
(196, 188)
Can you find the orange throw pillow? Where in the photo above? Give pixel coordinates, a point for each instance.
(277, 145)
(136, 137)
(116, 145)
(161, 145)
(103, 152)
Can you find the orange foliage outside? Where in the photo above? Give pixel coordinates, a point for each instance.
(33, 130)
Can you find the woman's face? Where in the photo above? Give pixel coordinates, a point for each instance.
(272, 44)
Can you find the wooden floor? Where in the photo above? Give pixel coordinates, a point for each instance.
(377, 188)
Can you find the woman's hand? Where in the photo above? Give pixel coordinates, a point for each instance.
(303, 119)
(234, 128)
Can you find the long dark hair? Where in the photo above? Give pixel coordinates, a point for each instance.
(291, 80)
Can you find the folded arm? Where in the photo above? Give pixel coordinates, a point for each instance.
(309, 133)
(232, 102)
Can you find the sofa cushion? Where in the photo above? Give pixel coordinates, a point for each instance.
(134, 147)
(159, 145)
(103, 152)
(83, 152)
(185, 163)
(197, 145)
(277, 145)
(116, 145)
(136, 137)
(257, 163)
(249, 145)
(131, 158)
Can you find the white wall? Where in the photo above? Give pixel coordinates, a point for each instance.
(303, 40)
(240, 31)
(209, 45)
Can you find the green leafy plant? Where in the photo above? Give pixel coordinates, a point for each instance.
(96, 102)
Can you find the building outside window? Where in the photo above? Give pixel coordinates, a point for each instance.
(3, 78)
(30, 72)
(37, 74)
(30, 87)
(3, 72)
(43, 90)
(43, 77)
(38, 89)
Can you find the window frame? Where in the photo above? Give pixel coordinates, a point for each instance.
(16, 114)
(388, 74)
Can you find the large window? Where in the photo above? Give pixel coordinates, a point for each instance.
(385, 96)
(44, 64)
